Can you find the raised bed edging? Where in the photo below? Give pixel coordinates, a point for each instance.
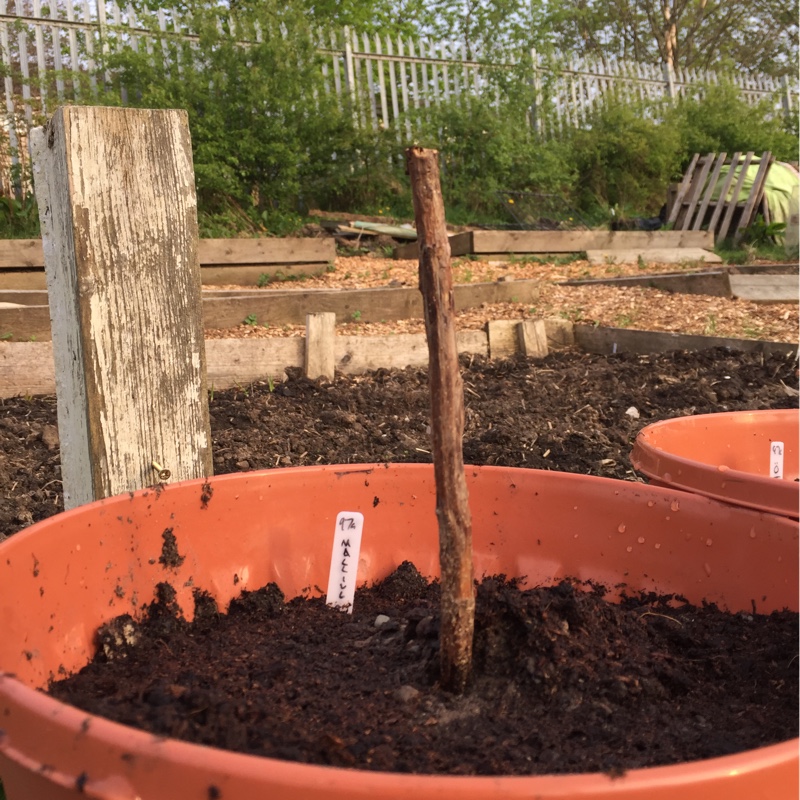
(222, 261)
(26, 368)
(523, 242)
(290, 307)
(775, 283)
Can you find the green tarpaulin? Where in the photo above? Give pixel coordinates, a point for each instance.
(781, 180)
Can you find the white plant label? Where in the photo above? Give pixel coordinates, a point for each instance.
(344, 560)
(776, 459)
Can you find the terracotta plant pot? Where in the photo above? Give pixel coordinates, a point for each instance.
(727, 456)
(62, 578)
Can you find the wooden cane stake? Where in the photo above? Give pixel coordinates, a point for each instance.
(447, 421)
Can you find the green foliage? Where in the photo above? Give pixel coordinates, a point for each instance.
(747, 253)
(761, 233)
(750, 37)
(486, 147)
(625, 158)
(19, 219)
(269, 142)
(261, 146)
(721, 121)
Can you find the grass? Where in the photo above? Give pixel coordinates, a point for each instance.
(748, 253)
(550, 259)
(265, 279)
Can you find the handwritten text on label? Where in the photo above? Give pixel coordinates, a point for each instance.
(344, 559)
(776, 460)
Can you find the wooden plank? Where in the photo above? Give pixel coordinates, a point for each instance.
(23, 279)
(368, 305)
(251, 275)
(290, 307)
(723, 193)
(715, 283)
(25, 324)
(460, 245)
(754, 199)
(607, 341)
(26, 368)
(503, 335)
(683, 189)
(16, 253)
(24, 297)
(766, 288)
(532, 336)
(127, 326)
(707, 195)
(266, 251)
(237, 362)
(722, 231)
(34, 279)
(487, 242)
(687, 212)
(662, 255)
(319, 359)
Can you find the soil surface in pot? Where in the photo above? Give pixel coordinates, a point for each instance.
(564, 681)
(571, 411)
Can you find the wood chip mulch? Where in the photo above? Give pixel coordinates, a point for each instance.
(622, 307)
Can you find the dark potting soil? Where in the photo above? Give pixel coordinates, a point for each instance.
(563, 681)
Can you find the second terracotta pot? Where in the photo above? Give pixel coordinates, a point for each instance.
(749, 458)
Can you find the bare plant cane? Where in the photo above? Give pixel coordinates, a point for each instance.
(447, 421)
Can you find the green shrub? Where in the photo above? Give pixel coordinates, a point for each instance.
(624, 158)
(721, 121)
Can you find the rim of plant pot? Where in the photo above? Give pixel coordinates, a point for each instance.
(82, 558)
(725, 456)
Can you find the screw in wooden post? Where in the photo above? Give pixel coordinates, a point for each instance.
(447, 421)
(163, 474)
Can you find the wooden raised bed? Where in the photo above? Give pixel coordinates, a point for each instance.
(775, 283)
(30, 319)
(504, 243)
(26, 368)
(222, 261)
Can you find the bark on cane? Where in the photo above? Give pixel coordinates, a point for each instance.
(447, 421)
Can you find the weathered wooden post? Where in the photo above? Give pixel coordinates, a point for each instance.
(118, 213)
(320, 353)
(447, 421)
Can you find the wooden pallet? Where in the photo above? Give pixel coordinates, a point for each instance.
(694, 207)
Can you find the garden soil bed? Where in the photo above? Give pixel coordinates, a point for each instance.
(571, 411)
(564, 682)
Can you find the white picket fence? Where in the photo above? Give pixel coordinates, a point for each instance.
(387, 81)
